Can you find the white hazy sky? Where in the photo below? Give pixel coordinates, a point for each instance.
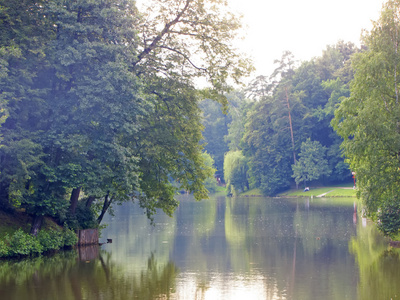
(304, 27)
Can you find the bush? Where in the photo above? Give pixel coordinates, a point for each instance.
(389, 219)
(4, 248)
(69, 238)
(24, 244)
(50, 240)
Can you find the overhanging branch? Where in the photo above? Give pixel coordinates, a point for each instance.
(165, 30)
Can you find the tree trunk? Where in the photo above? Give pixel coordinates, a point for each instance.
(291, 127)
(36, 225)
(90, 201)
(106, 205)
(74, 200)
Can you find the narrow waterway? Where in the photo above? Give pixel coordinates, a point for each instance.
(222, 248)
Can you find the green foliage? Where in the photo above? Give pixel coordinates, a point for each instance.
(238, 109)
(368, 120)
(312, 163)
(211, 182)
(389, 219)
(208, 28)
(268, 151)
(296, 103)
(50, 240)
(4, 248)
(69, 236)
(235, 171)
(21, 243)
(24, 244)
(215, 124)
(223, 131)
(86, 216)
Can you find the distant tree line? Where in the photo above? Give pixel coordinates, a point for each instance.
(279, 128)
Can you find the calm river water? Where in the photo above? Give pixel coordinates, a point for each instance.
(222, 248)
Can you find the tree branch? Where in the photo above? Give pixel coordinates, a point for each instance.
(185, 57)
(166, 30)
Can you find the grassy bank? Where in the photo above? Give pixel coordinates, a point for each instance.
(332, 191)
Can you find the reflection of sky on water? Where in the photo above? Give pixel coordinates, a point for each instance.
(229, 286)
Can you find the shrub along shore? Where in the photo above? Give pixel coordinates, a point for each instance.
(16, 241)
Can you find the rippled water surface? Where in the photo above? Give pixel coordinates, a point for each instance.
(222, 248)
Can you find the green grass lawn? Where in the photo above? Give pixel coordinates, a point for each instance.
(343, 193)
(342, 190)
(334, 191)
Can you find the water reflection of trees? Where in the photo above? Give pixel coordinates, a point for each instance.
(65, 276)
(300, 250)
(303, 246)
(379, 265)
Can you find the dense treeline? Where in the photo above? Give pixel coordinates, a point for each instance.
(278, 131)
(98, 103)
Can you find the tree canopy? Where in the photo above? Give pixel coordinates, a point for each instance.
(99, 105)
(368, 120)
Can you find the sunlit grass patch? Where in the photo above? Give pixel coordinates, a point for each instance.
(329, 191)
(311, 192)
(343, 193)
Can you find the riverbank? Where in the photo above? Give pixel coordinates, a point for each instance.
(16, 240)
(331, 191)
(11, 222)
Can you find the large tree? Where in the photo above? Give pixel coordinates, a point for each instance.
(267, 145)
(102, 100)
(369, 119)
(24, 33)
